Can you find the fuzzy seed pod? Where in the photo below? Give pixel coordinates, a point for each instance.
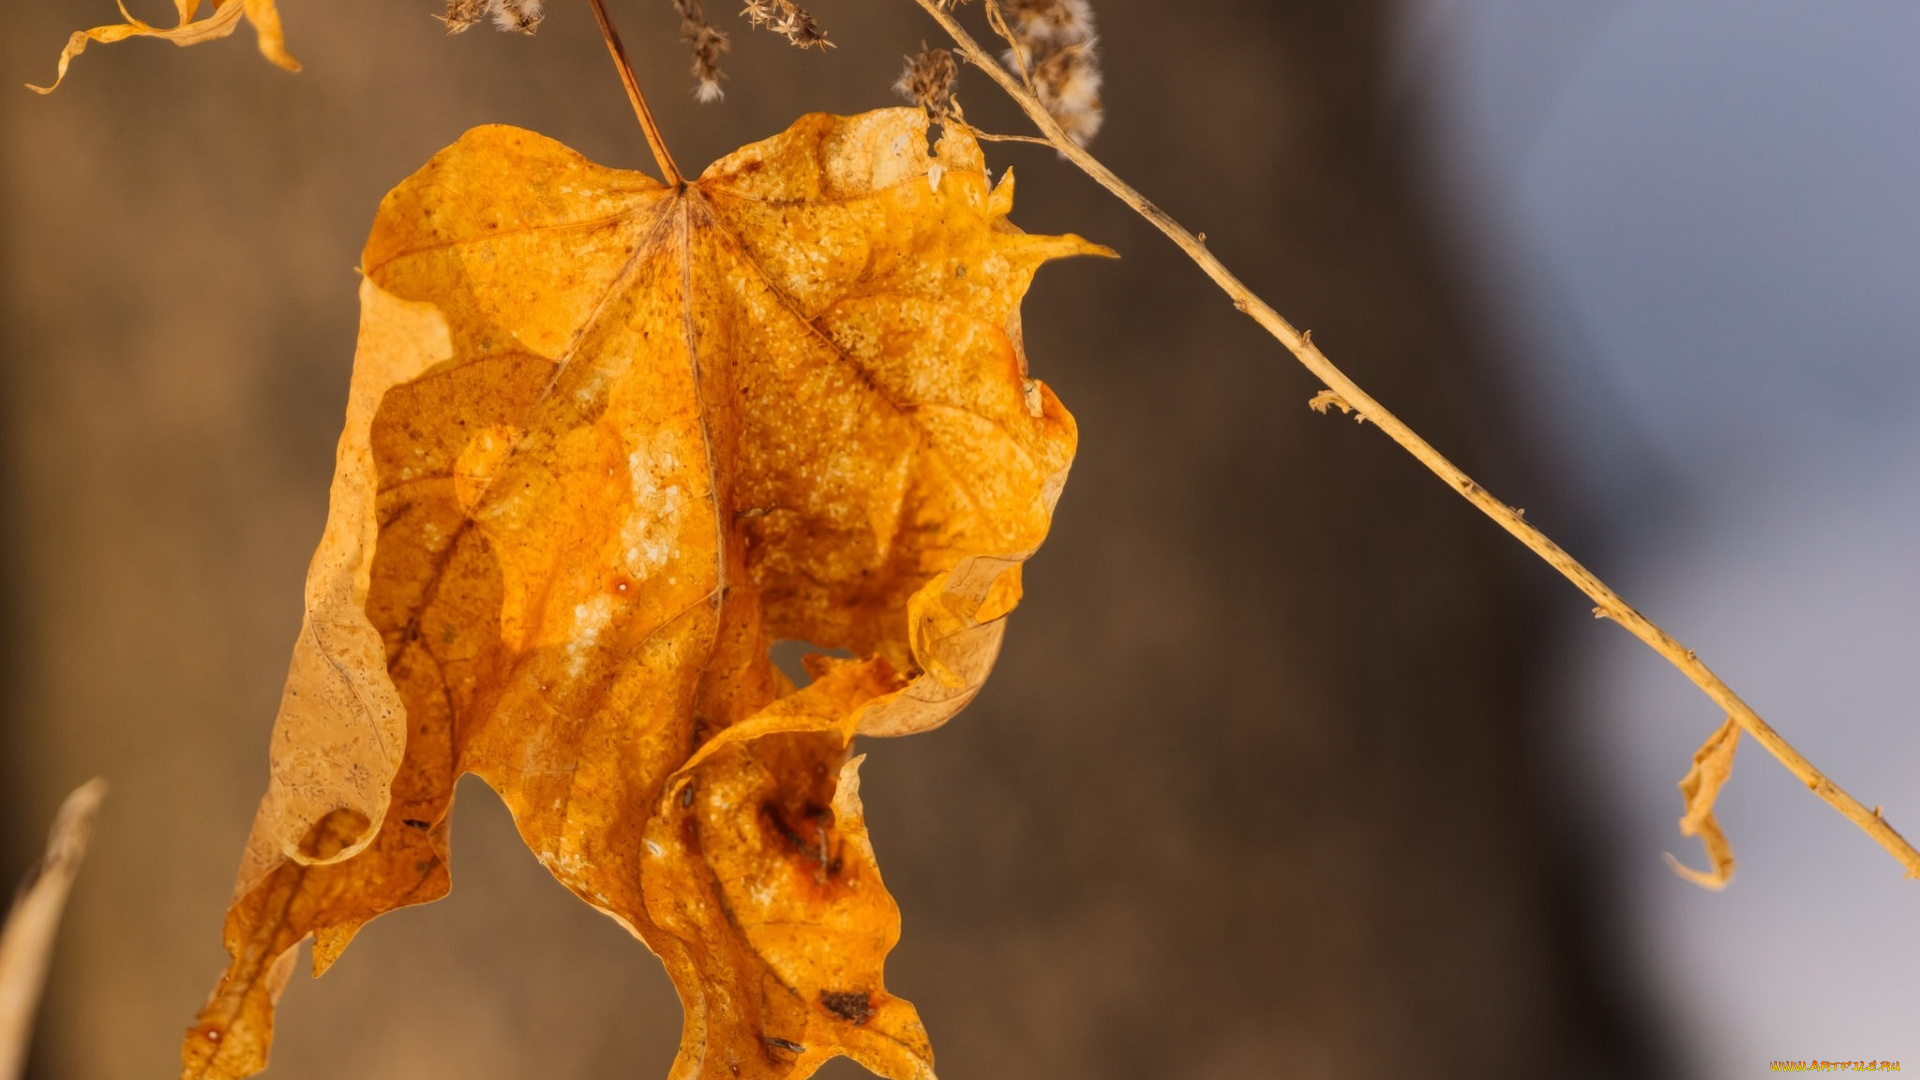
(517, 16)
(462, 14)
(707, 42)
(1052, 43)
(1050, 22)
(1067, 82)
(928, 81)
(789, 20)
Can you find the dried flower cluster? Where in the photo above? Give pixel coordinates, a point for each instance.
(1054, 49)
(516, 16)
(788, 19)
(707, 42)
(928, 81)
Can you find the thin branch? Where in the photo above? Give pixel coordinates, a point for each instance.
(1347, 395)
(997, 19)
(669, 172)
(988, 136)
(26, 942)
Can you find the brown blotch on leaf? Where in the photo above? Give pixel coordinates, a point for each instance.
(853, 1006)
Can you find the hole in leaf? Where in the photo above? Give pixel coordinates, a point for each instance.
(786, 654)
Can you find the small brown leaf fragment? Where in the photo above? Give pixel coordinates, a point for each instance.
(191, 30)
(1328, 399)
(606, 442)
(1712, 765)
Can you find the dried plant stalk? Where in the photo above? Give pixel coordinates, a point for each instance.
(26, 945)
(1343, 393)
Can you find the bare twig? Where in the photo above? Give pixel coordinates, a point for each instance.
(988, 136)
(669, 172)
(1609, 604)
(26, 944)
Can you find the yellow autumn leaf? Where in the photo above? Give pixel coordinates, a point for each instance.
(606, 441)
(191, 30)
(1712, 766)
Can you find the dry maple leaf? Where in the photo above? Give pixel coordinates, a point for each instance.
(606, 441)
(224, 19)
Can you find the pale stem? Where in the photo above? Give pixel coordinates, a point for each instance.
(1348, 395)
(668, 170)
(27, 937)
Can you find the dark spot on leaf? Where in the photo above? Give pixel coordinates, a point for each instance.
(853, 1006)
(807, 837)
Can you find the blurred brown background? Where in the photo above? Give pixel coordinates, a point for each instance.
(1255, 791)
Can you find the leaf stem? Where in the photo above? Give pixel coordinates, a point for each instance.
(668, 170)
(1348, 395)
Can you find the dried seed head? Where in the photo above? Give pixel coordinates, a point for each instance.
(1053, 45)
(789, 20)
(707, 42)
(1067, 82)
(462, 14)
(928, 81)
(517, 16)
(1057, 22)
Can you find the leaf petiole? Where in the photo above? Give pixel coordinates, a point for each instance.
(669, 171)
